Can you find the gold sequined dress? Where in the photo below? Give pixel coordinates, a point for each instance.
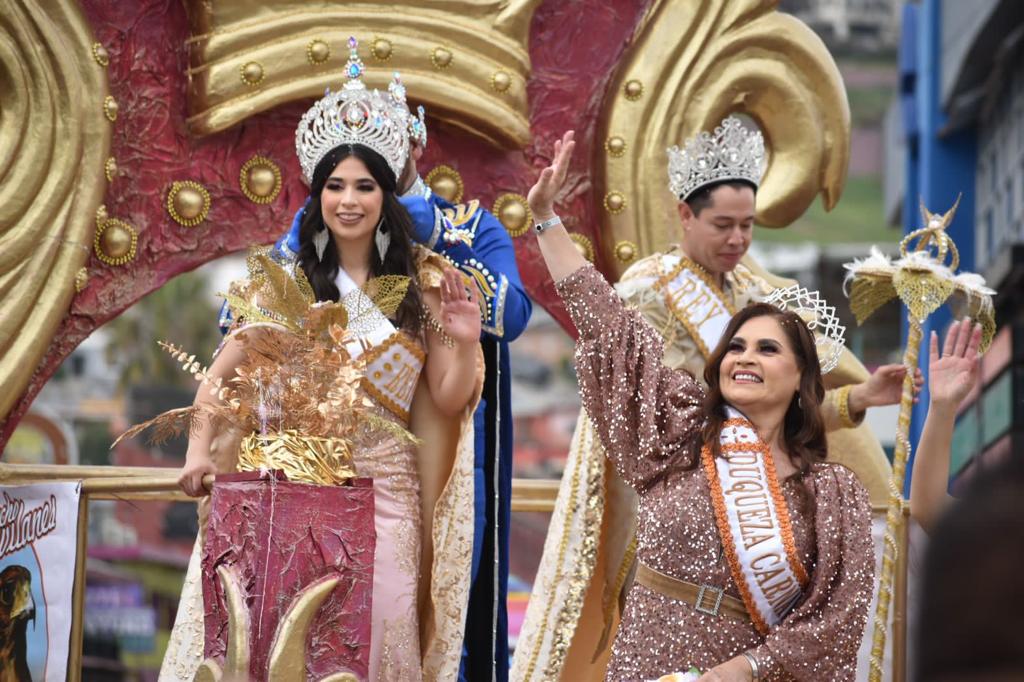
(648, 416)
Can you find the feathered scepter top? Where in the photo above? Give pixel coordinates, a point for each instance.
(297, 392)
(923, 277)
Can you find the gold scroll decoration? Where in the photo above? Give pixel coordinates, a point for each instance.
(692, 63)
(479, 38)
(54, 141)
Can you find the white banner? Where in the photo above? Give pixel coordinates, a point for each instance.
(38, 531)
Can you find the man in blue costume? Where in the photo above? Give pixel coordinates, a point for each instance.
(476, 243)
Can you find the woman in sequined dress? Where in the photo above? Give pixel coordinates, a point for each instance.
(690, 604)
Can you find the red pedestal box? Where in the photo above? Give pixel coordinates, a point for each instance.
(278, 538)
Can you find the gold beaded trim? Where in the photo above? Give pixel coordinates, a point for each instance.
(313, 44)
(97, 244)
(100, 54)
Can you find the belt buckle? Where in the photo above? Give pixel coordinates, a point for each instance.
(715, 593)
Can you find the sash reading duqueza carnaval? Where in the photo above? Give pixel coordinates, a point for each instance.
(754, 523)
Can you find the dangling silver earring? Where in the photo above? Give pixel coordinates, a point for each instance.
(320, 243)
(382, 238)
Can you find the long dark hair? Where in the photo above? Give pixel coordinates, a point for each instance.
(803, 428)
(399, 258)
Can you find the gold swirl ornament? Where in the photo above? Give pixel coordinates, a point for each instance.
(54, 139)
(466, 63)
(708, 59)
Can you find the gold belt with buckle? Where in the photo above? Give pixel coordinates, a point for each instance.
(704, 598)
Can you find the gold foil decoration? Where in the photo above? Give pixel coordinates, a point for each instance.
(583, 245)
(188, 202)
(115, 242)
(251, 73)
(304, 459)
(614, 202)
(615, 146)
(110, 168)
(100, 54)
(54, 139)
(501, 81)
(81, 279)
(702, 60)
(110, 108)
(625, 251)
(441, 58)
(318, 51)
(260, 180)
(633, 90)
(514, 213)
(446, 182)
(490, 37)
(381, 49)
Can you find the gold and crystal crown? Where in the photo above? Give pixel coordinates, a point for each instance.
(820, 319)
(356, 115)
(731, 153)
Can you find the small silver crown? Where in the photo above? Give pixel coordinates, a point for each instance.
(820, 318)
(732, 153)
(356, 115)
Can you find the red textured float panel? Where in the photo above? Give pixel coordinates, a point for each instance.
(281, 537)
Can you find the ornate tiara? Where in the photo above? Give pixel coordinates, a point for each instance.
(820, 319)
(356, 115)
(732, 153)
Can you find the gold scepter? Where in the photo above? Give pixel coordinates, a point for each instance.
(923, 280)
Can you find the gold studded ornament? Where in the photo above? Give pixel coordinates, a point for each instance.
(625, 251)
(110, 108)
(441, 58)
(583, 245)
(251, 73)
(188, 202)
(115, 241)
(923, 280)
(514, 213)
(614, 202)
(633, 90)
(381, 49)
(81, 279)
(501, 81)
(100, 54)
(615, 146)
(446, 182)
(317, 52)
(260, 180)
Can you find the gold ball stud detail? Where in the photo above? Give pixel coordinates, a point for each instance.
(583, 245)
(100, 54)
(441, 58)
(110, 168)
(110, 108)
(625, 251)
(260, 180)
(501, 81)
(446, 182)
(614, 202)
(251, 73)
(381, 49)
(81, 279)
(615, 146)
(115, 242)
(634, 90)
(318, 51)
(514, 213)
(188, 202)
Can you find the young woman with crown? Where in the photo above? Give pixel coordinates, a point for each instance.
(423, 373)
(755, 559)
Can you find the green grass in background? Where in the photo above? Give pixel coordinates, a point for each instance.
(857, 218)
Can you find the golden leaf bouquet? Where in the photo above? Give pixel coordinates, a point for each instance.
(297, 391)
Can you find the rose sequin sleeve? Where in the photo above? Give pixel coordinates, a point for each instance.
(819, 638)
(646, 414)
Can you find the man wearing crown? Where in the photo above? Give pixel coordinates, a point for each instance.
(474, 241)
(688, 294)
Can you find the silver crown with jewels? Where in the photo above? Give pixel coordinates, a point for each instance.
(357, 115)
(819, 317)
(731, 153)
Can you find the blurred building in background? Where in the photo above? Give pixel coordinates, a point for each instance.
(956, 127)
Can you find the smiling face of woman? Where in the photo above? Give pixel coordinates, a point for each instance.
(351, 201)
(759, 368)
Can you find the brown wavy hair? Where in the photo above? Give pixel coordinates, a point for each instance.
(803, 430)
